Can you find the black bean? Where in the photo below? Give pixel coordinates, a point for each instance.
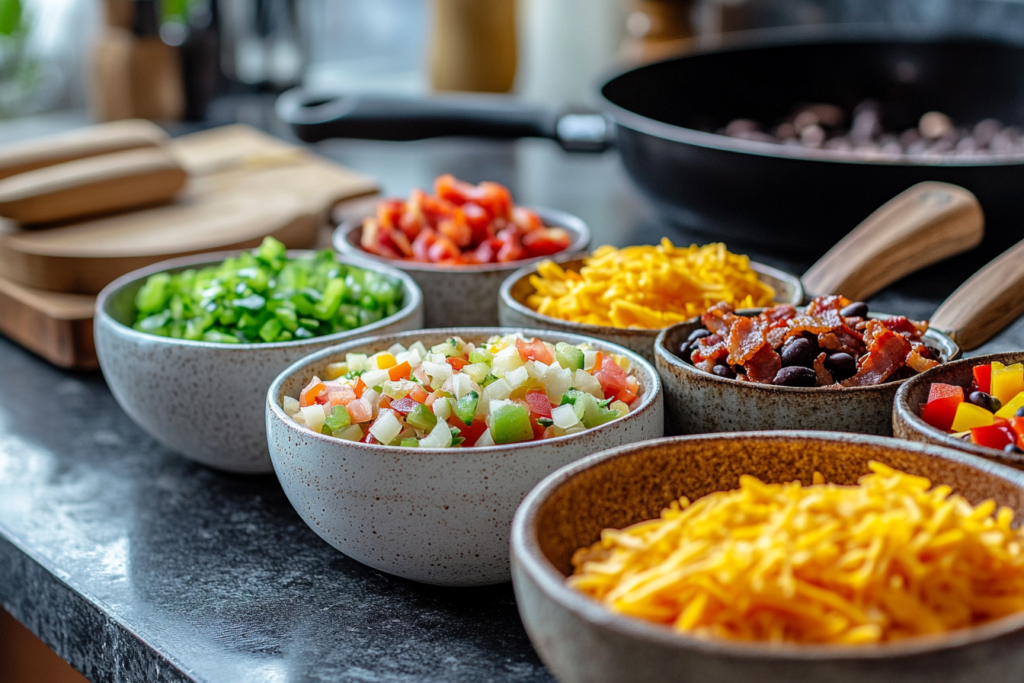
(986, 401)
(858, 309)
(798, 352)
(723, 371)
(698, 333)
(1020, 412)
(1012, 448)
(841, 365)
(686, 352)
(795, 376)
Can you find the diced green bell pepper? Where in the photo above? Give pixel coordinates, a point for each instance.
(465, 409)
(421, 417)
(568, 356)
(510, 423)
(410, 443)
(336, 421)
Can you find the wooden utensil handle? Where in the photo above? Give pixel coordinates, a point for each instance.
(924, 225)
(990, 300)
(87, 142)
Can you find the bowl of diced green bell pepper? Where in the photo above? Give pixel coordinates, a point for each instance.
(189, 346)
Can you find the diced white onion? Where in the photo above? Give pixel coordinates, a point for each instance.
(516, 378)
(588, 384)
(437, 372)
(506, 360)
(356, 361)
(373, 398)
(496, 390)
(442, 408)
(419, 348)
(589, 358)
(351, 433)
(564, 416)
(556, 382)
(621, 407)
(476, 371)
(314, 416)
(395, 349)
(387, 427)
(462, 385)
(439, 437)
(485, 439)
(290, 405)
(535, 369)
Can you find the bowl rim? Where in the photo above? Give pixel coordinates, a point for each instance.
(901, 407)
(506, 299)
(340, 240)
(662, 354)
(412, 294)
(551, 582)
(650, 398)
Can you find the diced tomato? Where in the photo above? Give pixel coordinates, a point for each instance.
(473, 431)
(389, 212)
(359, 388)
(395, 240)
(626, 396)
(611, 377)
(421, 376)
(496, 199)
(443, 249)
(941, 412)
(457, 363)
(939, 390)
(456, 228)
(479, 221)
(487, 252)
(400, 371)
(983, 377)
(456, 191)
(310, 391)
(403, 405)
(359, 411)
(546, 241)
(418, 394)
(993, 436)
(538, 430)
(511, 246)
(526, 219)
(633, 384)
(421, 245)
(539, 403)
(534, 350)
(341, 395)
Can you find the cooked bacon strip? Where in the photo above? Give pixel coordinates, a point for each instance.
(764, 365)
(745, 339)
(919, 359)
(822, 304)
(780, 313)
(719, 318)
(824, 376)
(842, 339)
(887, 353)
(908, 328)
(709, 350)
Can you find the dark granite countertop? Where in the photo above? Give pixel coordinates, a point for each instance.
(136, 565)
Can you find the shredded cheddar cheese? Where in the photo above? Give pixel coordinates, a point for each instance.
(890, 558)
(647, 287)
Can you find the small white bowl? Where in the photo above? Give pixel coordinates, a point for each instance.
(205, 400)
(434, 515)
(462, 296)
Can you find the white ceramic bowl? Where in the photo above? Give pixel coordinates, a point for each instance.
(438, 516)
(205, 400)
(513, 311)
(461, 296)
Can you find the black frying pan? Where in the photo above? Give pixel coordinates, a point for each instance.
(732, 188)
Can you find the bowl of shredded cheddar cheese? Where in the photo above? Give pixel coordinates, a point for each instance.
(628, 295)
(775, 557)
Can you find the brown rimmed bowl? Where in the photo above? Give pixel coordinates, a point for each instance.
(462, 296)
(582, 642)
(434, 515)
(699, 402)
(513, 311)
(906, 420)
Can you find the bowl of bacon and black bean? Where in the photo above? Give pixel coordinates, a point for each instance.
(832, 365)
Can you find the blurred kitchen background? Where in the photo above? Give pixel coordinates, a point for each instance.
(166, 60)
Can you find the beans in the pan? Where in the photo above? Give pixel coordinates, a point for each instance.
(824, 126)
(698, 333)
(858, 309)
(841, 366)
(1020, 412)
(795, 376)
(986, 401)
(798, 352)
(724, 371)
(1012, 448)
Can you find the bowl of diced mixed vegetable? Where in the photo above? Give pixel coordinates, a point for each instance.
(189, 346)
(410, 452)
(460, 243)
(974, 405)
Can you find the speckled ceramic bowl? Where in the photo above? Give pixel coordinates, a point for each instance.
(461, 296)
(513, 311)
(202, 399)
(582, 642)
(698, 402)
(437, 516)
(907, 423)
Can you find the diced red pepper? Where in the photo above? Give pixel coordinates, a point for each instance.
(534, 350)
(941, 412)
(403, 405)
(983, 377)
(400, 371)
(538, 430)
(939, 390)
(473, 431)
(626, 396)
(611, 377)
(457, 363)
(310, 392)
(539, 403)
(993, 436)
(418, 394)
(359, 388)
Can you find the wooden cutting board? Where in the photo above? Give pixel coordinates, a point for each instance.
(243, 186)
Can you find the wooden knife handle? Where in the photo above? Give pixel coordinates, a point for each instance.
(87, 142)
(924, 225)
(986, 303)
(101, 184)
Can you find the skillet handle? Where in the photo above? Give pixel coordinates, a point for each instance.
(316, 116)
(923, 225)
(989, 301)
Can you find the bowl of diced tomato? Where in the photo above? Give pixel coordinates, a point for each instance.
(410, 452)
(975, 405)
(460, 243)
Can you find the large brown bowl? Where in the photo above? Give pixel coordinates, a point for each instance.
(906, 420)
(582, 642)
(698, 402)
(513, 311)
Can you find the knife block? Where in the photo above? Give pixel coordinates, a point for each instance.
(135, 77)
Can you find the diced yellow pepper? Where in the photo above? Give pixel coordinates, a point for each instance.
(385, 361)
(1007, 381)
(335, 370)
(1008, 409)
(968, 416)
